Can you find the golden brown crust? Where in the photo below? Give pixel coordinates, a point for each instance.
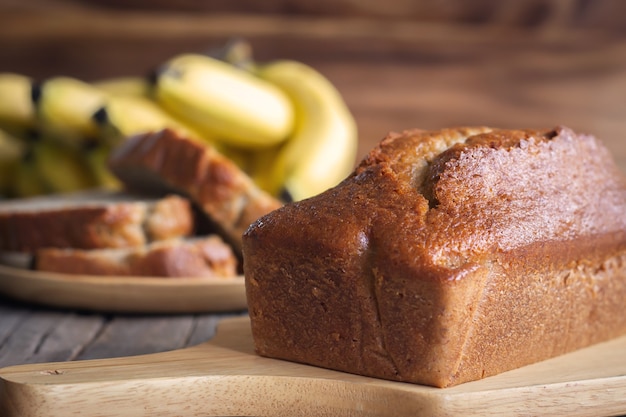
(198, 257)
(167, 161)
(446, 257)
(91, 221)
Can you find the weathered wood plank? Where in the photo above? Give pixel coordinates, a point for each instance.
(24, 342)
(33, 335)
(134, 335)
(92, 44)
(205, 327)
(549, 14)
(11, 315)
(71, 334)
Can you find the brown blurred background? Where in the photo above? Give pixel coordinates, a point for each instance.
(398, 63)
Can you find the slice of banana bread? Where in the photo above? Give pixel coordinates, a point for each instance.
(192, 257)
(165, 161)
(92, 219)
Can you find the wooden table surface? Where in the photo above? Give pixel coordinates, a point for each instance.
(394, 74)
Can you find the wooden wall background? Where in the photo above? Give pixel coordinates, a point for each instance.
(398, 63)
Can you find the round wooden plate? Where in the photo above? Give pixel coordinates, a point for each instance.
(124, 294)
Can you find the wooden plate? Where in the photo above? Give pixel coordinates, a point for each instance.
(124, 294)
(225, 377)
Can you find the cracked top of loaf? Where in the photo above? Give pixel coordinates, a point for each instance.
(452, 195)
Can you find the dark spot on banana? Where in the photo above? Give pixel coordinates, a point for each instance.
(28, 156)
(32, 135)
(285, 196)
(90, 144)
(153, 77)
(36, 91)
(100, 116)
(162, 70)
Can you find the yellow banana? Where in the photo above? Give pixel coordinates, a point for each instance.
(62, 169)
(240, 157)
(322, 150)
(96, 157)
(124, 116)
(225, 102)
(64, 108)
(17, 113)
(124, 86)
(11, 152)
(28, 181)
(261, 169)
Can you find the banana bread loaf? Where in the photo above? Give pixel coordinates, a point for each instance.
(447, 256)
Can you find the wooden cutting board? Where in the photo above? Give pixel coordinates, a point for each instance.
(223, 377)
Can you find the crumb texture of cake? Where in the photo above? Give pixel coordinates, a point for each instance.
(446, 257)
(92, 220)
(191, 257)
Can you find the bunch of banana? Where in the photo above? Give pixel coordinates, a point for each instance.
(40, 166)
(67, 128)
(321, 150)
(46, 122)
(282, 122)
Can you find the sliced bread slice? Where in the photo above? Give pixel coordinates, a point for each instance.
(164, 161)
(191, 257)
(92, 220)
